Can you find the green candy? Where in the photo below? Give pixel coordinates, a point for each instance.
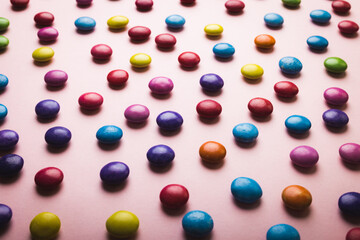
(4, 42)
(4, 24)
(291, 3)
(45, 225)
(335, 65)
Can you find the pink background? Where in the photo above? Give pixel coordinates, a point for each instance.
(83, 204)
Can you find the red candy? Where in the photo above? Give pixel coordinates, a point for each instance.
(353, 234)
(187, 1)
(165, 40)
(117, 77)
(50, 177)
(174, 196)
(144, 5)
(44, 18)
(19, 3)
(208, 109)
(188, 59)
(101, 51)
(90, 100)
(341, 6)
(260, 107)
(234, 5)
(139, 33)
(286, 89)
(347, 26)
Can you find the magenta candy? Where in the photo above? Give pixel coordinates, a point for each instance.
(144, 5)
(304, 156)
(137, 113)
(48, 34)
(161, 85)
(350, 153)
(56, 78)
(336, 96)
(101, 52)
(139, 33)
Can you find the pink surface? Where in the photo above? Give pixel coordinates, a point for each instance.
(83, 204)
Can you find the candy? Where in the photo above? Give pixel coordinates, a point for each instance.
(161, 85)
(139, 33)
(350, 153)
(188, 59)
(187, 1)
(45, 225)
(4, 23)
(246, 190)
(304, 156)
(20, 3)
(317, 42)
(234, 6)
(49, 178)
(208, 109)
(336, 96)
(223, 50)
(56, 78)
(85, 23)
(117, 22)
(122, 224)
(136, 113)
(273, 20)
(335, 65)
(348, 27)
(353, 234)
(175, 21)
(109, 134)
(211, 82)
(43, 54)
(47, 34)
(252, 71)
(5, 214)
(320, 16)
(213, 29)
(197, 223)
(117, 77)
(165, 40)
(4, 42)
(296, 197)
(264, 41)
(90, 101)
(212, 152)
(349, 203)
(298, 124)
(114, 173)
(174, 196)
(291, 3)
(260, 107)
(10, 165)
(282, 232)
(47, 108)
(341, 6)
(83, 2)
(290, 65)
(245, 132)
(44, 18)
(4, 81)
(144, 5)
(335, 118)
(3, 112)
(160, 155)
(8, 139)
(140, 60)
(58, 136)
(101, 52)
(169, 120)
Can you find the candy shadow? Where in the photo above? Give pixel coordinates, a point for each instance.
(350, 218)
(350, 166)
(245, 145)
(342, 14)
(46, 120)
(304, 170)
(139, 41)
(175, 29)
(299, 135)
(3, 31)
(265, 50)
(252, 81)
(274, 27)
(224, 59)
(165, 49)
(55, 88)
(89, 112)
(209, 120)
(174, 212)
(247, 206)
(292, 76)
(212, 94)
(349, 35)
(189, 69)
(336, 130)
(42, 64)
(318, 51)
(342, 107)
(5, 228)
(142, 10)
(167, 133)
(2, 121)
(2, 91)
(235, 13)
(161, 96)
(140, 70)
(114, 187)
(134, 125)
(212, 166)
(109, 237)
(53, 149)
(47, 42)
(101, 61)
(286, 100)
(260, 119)
(84, 6)
(336, 75)
(321, 24)
(292, 7)
(113, 30)
(298, 213)
(42, 26)
(84, 32)
(213, 38)
(117, 87)
(8, 150)
(18, 9)
(160, 169)
(109, 147)
(188, 4)
(48, 192)
(10, 179)
(189, 237)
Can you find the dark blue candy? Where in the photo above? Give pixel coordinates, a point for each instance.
(114, 173)
(11, 164)
(223, 50)
(349, 203)
(5, 214)
(169, 121)
(175, 21)
(297, 124)
(58, 136)
(290, 65)
(197, 223)
(8, 139)
(317, 42)
(85, 23)
(47, 108)
(3, 111)
(160, 155)
(320, 16)
(282, 232)
(211, 82)
(273, 20)
(3, 81)
(335, 118)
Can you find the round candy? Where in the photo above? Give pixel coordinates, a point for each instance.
(296, 197)
(44, 18)
(188, 59)
(341, 6)
(8, 139)
(10, 164)
(350, 153)
(260, 107)
(4, 42)
(252, 71)
(273, 20)
(169, 120)
(114, 173)
(4, 81)
(213, 29)
(298, 124)
(43, 54)
(144, 5)
(139, 33)
(348, 27)
(122, 224)
(304, 156)
(245, 132)
(161, 85)
(5, 214)
(50, 177)
(211, 82)
(165, 40)
(349, 203)
(55, 78)
(47, 108)
(290, 65)
(160, 155)
(197, 223)
(140, 60)
(83, 2)
(136, 113)
(101, 52)
(175, 21)
(234, 6)
(4, 23)
(264, 41)
(353, 234)
(320, 16)
(85, 23)
(48, 34)
(58, 136)
(336, 96)
(20, 3)
(335, 65)
(335, 118)
(174, 196)
(187, 1)
(246, 190)
(208, 109)
(90, 101)
(3, 112)
(282, 232)
(291, 3)
(45, 225)
(117, 22)
(117, 77)
(317, 42)
(212, 152)
(109, 134)
(223, 50)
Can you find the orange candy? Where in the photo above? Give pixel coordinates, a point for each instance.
(296, 197)
(212, 152)
(264, 41)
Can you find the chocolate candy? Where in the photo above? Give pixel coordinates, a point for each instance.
(296, 197)
(90, 101)
(320, 16)
(137, 113)
(56, 78)
(265, 41)
(304, 156)
(336, 96)
(169, 120)
(189, 59)
(48, 34)
(8, 139)
(335, 65)
(174, 196)
(246, 190)
(282, 232)
(47, 108)
(5, 214)
(144, 5)
(58, 136)
(49, 178)
(223, 50)
(101, 52)
(85, 23)
(117, 77)
(297, 124)
(197, 223)
(165, 40)
(317, 42)
(3, 112)
(260, 107)
(10, 165)
(348, 27)
(290, 65)
(349, 203)
(122, 224)
(341, 6)
(45, 225)
(350, 153)
(335, 118)
(245, 132)
(211, 82)
(44, 18)
(273, 20)
(161, 85)
(208, 109)
(114, 173)
(353, 234)
(234, 6)
(109, 134)
(160, 155)
(175, 21)
(212, 152)
(139, 33)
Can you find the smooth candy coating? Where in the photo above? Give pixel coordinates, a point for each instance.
(109, 134)
(350, 153)
(5, 214)
(10, 165)
(174, 196)
(197, 223)
(140, 60)
(117, 22)
(335, 65)
(45, 225)
(348, 27)
(252, 71)
(265, 41)
(83, 2)
(320, 16)
(101, 52)
(169, 120)
(44, 18)
(165, 40)
(341, 6)
(47, 108)
(161, 85)
(58, 136)
(85, 23)
(3, 112)
(234, 6)
(211, 82)
(20, 3)
(212, 152)
(260, 107)
(139, 33)
(160, 155)
(353, 234)
(349, 203)
(43, 54)
(336, 96)
(122, 224)
(273, 20)
(298, 124)
(282, 232)
(175, 21)
(4, 81)
(291, 3)
(286, 89)
(8, 139)
(335, 118)
(296, 197)
(245, 132)
(47, 34)
(188, 59)
(4, 42)
(137, 113)
(144, 5)
(223, 50)
(90, 101)
(56, 78)
(117, 77)
(317, 42)
(213, 29)
(114, 173)
(49, 178)
(208, 109)
(4, 23)
(290, 65)
(246, 190)
(304, 156)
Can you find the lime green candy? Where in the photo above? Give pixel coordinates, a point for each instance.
(43, 54)
(140, 60)
(4, 24)
(335, 65)
(4, 42)
(252, 71)
(45, 225)
(213, 29)
(117, 22)
(122, 224)
(291, 3)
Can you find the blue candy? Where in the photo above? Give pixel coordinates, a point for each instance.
(349, 203)
(5, 214)
(47, 108)
(175, 21)
(11, 164)
(8, 139)
(3, 81)
(109, 134)
(273, 20)
(223, 50)
(160, 155)
(320, 16)
(282, 232)
(211, 82)
(297, 124)
(58, 136)
(245, 132)
(246, 190)
(335, 118)
(114, 173)
(197, 223)
(3, 111)
(317, 42)
(85, 23)
(169, 120)
(290, 65)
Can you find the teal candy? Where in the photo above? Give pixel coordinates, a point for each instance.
(297, 124)
(246, 190)
(320, 16)
(273, 20)
(282, 232)
(317, 42)
(175, 21)
(3, 81)
(85, 23)
(109, 134)
(223, 50)
(245, 132)
(197, 223)
(3, 111)
(290, 65)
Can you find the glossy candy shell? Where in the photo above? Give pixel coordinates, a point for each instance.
(223, 50)
(114, 173)
(139, 33)
(117, 77)
(245, 132)
(212, 152)
(101, 51)
(197, 223)
(336, 96)
(109, 134)
(317, 42)
(144, 5)
(48, 34)
(45, 225)
(265, 41)
(5, 215)
(290, 65)
(136, 113)
(296, 197)
(161, 85)
(348, 27)
(335, 118)
(90, 101)
(246, 190)
(122, 224)
(85, 23)
(160, 155)
(340, 6)
(298, 124)
(8, 139)
(47, 109)
(286, 89)
(189, 59)
(208, 109)
(49, 178)
(304, 156)
(335, 65)
(44, 18)
(43, 54)
(58, 136)
(350, 153)
(349, 203)
(234, 6)
(174, 196)
(56, 78)
(169, 120)
(165, 40)
(11, 164)
(320, 16)
(282, 232)
(260, 107)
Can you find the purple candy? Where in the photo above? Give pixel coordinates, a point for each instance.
(8, 139)
(48, 34)
(161, 85)
(55, 78)
(304, 156)
(335, 118)
(83, 2)
(350, 153)
(336, 96)
(136, 113)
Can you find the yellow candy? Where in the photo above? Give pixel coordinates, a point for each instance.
(117, 22)
(140, 60)
(122, 224)
(252, 71)
(213, 29)
(43, 54)
(45, 225)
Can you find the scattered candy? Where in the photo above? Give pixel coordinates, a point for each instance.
(122, 224)
(85, 23)
(137, 113)
(144, 5)
(10, 165)
(188, 59)
(4, 81)
(43, 54)
(291, 3)
(350, 153)
(174, 196)
(197, 223)
(114, 173)
(304, 156)
(175, 21)
(101, 52)
(160, 155)
(234, 6)
(169, 120)
(223, 50)
(348, 27)
(298, 124)
(20, 3)
(260, 107)
(317, 42)
(211, 82)
(5, 215)
(349, 203)
(45, 225)
(282, 232)
(161, 85)
(109, 134)
(290, 65)
(140, 60)
(139, 33)
(353, 234)
(296, 197)
(117, 77)
(245, 132)
(246, 190)
(58, 136)
(273, 20)
(47, 108)
(335, 65)
(252, 71)
(165, 40)
(336, 96)
(208, 109)
(117, 22)
(213, 29)
(90, 101)
(48, 34)
(341, 6)
(83, 2)
(56, 78)
(4, 42)
(335, 118)
(320, 16)
(8, 139)
(44, 18)
(3, 112)
(264, 41)
(4, 23)
(49, 178)
(212, 152)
